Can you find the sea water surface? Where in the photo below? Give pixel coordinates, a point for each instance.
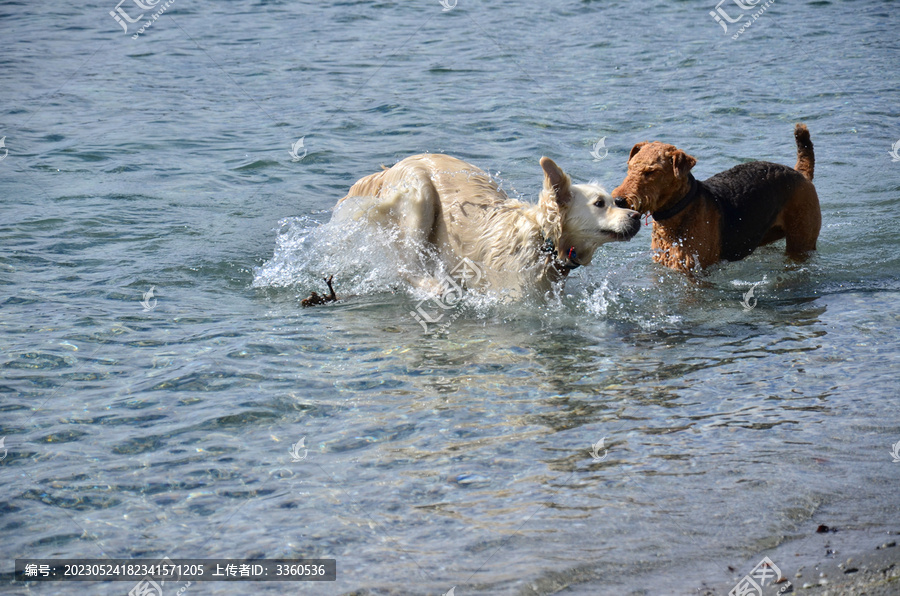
(643, 434)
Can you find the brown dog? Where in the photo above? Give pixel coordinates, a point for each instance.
(697, 224)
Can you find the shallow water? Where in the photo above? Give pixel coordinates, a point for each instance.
(461, 458)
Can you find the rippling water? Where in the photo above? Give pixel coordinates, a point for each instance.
(461, 458)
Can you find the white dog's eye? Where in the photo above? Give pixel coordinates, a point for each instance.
(599, 203)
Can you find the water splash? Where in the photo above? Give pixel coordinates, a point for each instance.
(368, 260)
(362, 259)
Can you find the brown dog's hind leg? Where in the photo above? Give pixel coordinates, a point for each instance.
(802, 219)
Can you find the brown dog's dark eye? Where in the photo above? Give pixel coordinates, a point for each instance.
(647, 173)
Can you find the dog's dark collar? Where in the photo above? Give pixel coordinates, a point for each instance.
(681, 205)
(571, 261)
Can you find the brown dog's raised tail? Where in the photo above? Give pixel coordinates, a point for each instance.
(806, 159)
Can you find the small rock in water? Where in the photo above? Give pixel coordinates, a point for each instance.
(822, 529)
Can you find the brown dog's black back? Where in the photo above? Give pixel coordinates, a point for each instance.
(750, 197)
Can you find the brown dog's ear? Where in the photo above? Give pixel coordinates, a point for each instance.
(556, 180)
(635, 149)
(682, 163)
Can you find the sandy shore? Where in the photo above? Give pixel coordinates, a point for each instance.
(848, 564)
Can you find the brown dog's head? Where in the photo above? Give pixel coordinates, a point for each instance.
(658, 174)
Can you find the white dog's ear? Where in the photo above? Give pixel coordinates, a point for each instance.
(556, 181)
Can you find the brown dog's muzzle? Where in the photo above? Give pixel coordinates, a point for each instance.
(626, 202)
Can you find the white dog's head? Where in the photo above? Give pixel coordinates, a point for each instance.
(582, 216)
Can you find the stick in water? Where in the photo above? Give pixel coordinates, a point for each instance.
(316, 300)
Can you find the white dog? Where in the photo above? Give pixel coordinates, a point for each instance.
(444, 203)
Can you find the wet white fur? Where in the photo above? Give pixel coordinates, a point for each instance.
(456, 208)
